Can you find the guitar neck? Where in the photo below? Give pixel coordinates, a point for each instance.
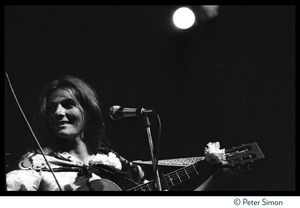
(178, 176)
(245, 153)
(179, 162)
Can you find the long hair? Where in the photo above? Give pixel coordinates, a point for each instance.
(85, 95)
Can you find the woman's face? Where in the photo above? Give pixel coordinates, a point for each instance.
(66, 115)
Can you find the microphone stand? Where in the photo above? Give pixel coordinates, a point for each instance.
(154, 163)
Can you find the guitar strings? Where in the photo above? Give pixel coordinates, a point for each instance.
(178, 173)
(186, 172)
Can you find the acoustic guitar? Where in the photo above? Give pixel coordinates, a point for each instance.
(236, 156)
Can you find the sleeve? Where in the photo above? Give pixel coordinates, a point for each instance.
(26, 178)
(23, 180)
(134, 171)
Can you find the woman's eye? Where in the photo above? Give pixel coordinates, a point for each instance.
(68, 104)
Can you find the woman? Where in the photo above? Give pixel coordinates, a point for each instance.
(70, 125)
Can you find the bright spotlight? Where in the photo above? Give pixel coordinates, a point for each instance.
(183, 18)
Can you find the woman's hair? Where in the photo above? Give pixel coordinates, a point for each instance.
(85, 95)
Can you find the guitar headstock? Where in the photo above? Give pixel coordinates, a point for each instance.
(245, 153)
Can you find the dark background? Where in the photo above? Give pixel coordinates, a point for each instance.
(230, 79)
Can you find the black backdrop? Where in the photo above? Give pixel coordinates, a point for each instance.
(231, 79)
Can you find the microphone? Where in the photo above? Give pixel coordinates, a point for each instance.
(117, 112)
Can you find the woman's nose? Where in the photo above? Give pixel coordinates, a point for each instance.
(60, 111)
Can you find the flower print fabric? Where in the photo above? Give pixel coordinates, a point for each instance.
(34, 174)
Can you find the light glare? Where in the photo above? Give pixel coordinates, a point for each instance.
(183, 18)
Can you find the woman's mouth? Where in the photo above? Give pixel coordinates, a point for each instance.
(63, 123)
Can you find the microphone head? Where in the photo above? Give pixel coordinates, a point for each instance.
(117, 112)
(114, 112)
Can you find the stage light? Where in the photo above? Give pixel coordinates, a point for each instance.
(183, 18)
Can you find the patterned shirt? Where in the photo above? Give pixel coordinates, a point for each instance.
(104, 172)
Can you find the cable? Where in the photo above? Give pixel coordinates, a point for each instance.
(157, 145)
(158, 137)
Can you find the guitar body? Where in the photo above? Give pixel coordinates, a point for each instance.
(111, 181)
(100, 185)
